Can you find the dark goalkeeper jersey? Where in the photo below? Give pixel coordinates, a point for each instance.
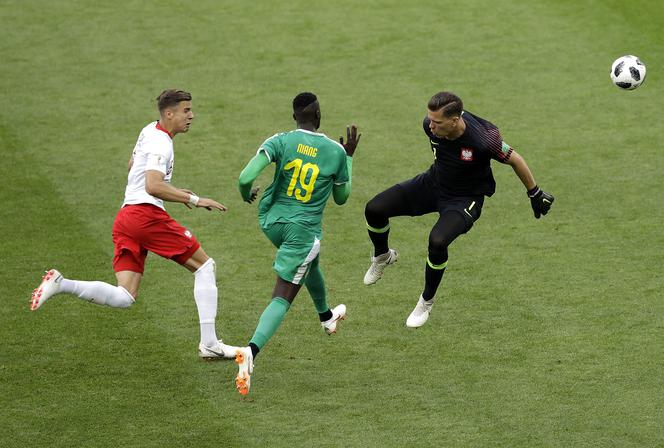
(462, 167)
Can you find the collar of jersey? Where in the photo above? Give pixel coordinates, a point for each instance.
(158, 126)
(310, 132)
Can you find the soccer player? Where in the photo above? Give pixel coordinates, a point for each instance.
(463, 145)
(143, 225)
(309, 167)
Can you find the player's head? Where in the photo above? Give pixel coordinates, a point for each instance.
(175, 110)
(306, 109)
(444, 114)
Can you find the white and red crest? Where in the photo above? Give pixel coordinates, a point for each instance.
(467, 154)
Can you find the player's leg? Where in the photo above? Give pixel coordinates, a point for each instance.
(315, 283)
(297, 248)
(161, 234)
(450, 225)
(378, 211)
(410, 198)
(454, 220)
(130, 281)
(283, 295)
(121, 296)
(128, 264)
(206, 294)
(128, 257)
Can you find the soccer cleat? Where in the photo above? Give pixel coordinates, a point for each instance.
(245, 362)
(378, 264)
(218, 351)
(49, 286)
(338, 313)
(420, 314)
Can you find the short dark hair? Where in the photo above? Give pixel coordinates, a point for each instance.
(171, 97)
(302, 100)
(448, 102)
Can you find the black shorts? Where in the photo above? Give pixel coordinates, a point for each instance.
(424, 197)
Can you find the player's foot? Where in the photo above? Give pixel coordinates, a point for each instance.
(378, 265)
(420, 314)
(217, 351)
(49, 286)
(245, 362)
(338, 313)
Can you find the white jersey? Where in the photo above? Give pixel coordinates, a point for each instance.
(153, 151)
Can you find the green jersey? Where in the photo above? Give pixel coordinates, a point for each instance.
(308, 165)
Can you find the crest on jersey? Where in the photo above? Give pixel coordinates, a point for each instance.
(187, 233)
(467, 154)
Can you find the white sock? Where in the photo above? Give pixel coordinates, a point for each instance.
(98, 292)
(205, 293)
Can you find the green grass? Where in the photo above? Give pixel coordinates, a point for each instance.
(546, 333)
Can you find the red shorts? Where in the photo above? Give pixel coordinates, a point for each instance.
(145, 227)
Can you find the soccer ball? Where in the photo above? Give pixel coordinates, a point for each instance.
(628, 72)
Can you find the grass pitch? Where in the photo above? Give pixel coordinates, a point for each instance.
(545, 333)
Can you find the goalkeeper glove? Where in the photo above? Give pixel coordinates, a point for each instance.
(540, 201)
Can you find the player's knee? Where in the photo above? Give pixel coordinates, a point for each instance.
(209, 267)
(438, 242)
(437, 256)
(206, 275)
(123, 298)
(374, 212)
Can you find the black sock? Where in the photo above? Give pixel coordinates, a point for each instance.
(254, 349)
(379, 241)
(327, 315)
(433, 277)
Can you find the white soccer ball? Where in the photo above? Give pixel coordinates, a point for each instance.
(628, 72)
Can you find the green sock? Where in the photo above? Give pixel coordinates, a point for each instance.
(269, 321)
(315, 284)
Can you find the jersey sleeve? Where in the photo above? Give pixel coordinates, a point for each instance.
(158, 152)
(498, 149)
(272, 147)
(341, 176)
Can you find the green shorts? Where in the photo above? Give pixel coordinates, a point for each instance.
(297, 248)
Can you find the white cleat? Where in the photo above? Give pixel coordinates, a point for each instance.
(245, 362)
(338, 313)
(218, 351)
(420, 314)
(49, 286)
(378, 265)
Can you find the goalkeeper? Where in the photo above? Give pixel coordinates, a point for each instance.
(455, 185)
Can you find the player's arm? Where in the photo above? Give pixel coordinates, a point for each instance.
(539, 199)
(341, 192)
(249, 174)
(521, 169)
(156, 186)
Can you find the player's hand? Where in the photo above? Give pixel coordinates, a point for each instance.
(352, 139)
(540, 201)
(253, 194)
(211, 204)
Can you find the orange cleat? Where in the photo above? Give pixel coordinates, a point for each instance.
(245, 362)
